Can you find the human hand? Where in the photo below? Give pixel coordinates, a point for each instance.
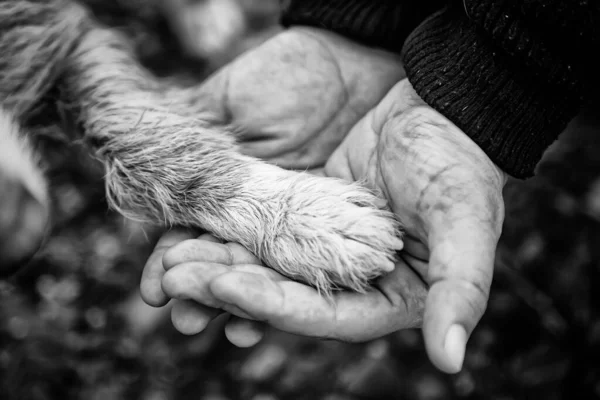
(295, 97)
(207, 278)
(194, 307)
(448, 194)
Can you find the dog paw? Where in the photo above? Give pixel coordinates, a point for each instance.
(328, 233)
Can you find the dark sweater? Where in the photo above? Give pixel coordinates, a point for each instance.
(510, 73)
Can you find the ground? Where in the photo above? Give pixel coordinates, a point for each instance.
(72, 325)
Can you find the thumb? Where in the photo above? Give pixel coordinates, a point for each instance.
(460, 274)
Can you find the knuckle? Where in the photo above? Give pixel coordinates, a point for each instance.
(478, 299)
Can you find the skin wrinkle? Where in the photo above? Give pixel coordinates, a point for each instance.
(407, 259)
(403, 307)
(382, 150)
(442, 126)
(234, 310)
(432, 180)
(416, 303)
(373, 165)
(450, 196)
(479, 307)
(407, 124)
(403, 293)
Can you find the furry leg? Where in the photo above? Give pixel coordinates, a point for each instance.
(165, 166)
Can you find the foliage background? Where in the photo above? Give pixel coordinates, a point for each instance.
(72, 325)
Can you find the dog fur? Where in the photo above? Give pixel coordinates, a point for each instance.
(167, 161)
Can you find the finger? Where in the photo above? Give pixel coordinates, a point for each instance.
(191, 318)
(196, 250)
(150, 285)
(299, 309)
(460, 275)
(199, 250)
(260, 270)
(190, 281)
(281, 304)
(244, 333)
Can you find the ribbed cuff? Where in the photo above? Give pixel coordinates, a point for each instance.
(513, 104)
(377, 23)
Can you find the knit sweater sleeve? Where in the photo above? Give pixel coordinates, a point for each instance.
(378, 23)
(510, 74)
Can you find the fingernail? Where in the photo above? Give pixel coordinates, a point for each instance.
(455, 344)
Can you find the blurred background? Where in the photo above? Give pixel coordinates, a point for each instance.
(72, 325)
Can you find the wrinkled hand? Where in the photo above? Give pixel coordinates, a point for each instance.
(295, 98)
(449, 196)
(298, 95)
(211, 277)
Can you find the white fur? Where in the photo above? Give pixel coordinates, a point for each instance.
(167, 161)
